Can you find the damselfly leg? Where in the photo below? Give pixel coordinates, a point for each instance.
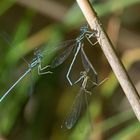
(72, 63)
(41, 69)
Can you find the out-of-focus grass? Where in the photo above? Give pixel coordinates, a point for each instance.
(21, 33)
(5, 5)
(12, 108)
(103, 127)
(129, 133)
(134, 56)
(75, 16)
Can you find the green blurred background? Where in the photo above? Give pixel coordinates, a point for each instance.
(37, 107)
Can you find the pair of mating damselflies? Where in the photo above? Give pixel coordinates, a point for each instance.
(86, 87)
(77, 44)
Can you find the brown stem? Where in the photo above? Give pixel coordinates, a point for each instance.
(108, 49)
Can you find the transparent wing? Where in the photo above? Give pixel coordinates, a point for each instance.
(87, 64)
(75, 111)
(62, 57)
(57, 47)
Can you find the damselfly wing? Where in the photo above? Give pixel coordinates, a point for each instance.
(63, 56)
(88, 66)
(75, 111)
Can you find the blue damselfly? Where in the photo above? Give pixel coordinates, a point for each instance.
(77, 45)
(35, 62)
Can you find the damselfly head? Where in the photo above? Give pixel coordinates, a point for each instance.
(38, 53)
(83, 73)
(84, 28)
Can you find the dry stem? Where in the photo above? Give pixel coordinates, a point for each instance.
(107, 47)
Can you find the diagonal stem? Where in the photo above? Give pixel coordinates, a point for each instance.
(109, 51)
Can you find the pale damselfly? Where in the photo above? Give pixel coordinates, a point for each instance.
(77, 45)
(35, 62)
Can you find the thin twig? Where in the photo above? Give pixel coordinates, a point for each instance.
(111, 56)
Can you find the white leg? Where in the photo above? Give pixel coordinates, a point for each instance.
(89, 92)
(88, 38)
(40, 69)
(103, 81)
(79, 80)
(98, 84)
(69, 70)
(94, 83)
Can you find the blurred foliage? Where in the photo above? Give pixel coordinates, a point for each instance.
(38, 114)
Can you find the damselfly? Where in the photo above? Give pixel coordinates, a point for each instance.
(35, 62)
(87, 85)
(76, 44)
(80, 99)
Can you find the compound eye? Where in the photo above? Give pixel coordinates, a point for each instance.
(81, 73)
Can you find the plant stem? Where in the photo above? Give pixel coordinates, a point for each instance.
(109, 51)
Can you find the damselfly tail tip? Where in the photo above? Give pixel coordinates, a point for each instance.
(68, 125)
(1, 99)
(50, 72)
